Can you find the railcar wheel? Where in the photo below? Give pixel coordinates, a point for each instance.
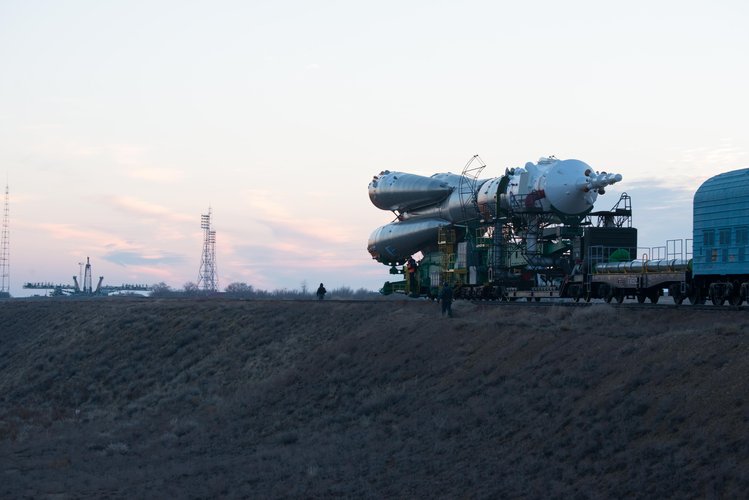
(620, 297)
(736, 300)
(641, 298)
(675, 292)
(538, 299)
(608, 293)
(654, 296)
(695, 297)
(717, 300)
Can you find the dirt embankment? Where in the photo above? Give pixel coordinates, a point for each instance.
(149, 398)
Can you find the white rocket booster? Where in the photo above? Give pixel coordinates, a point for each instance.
(424, 204)
(396, 191)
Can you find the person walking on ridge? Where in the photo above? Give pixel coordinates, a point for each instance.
(321, 291)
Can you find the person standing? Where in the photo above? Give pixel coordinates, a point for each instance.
(321, 291)
(411, 267)
(446, 298)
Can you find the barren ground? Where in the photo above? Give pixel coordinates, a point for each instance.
(263, 399)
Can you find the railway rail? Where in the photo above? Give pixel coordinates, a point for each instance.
(625, 305)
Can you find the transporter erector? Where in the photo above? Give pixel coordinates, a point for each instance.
(511, 235)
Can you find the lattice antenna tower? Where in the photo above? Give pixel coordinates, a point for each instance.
(212, 238)
(207, 277)
(5, 247)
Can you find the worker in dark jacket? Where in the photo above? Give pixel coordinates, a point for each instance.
(321, 291)
(411, 266)
(446, 297)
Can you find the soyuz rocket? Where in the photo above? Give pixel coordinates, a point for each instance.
(424, 204)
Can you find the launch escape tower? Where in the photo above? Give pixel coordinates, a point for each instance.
(207, 278)
(5, 250)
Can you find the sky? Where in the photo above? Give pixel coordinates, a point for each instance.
(121, 122)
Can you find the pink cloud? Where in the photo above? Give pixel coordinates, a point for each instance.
(140, 207)
(296, 227)
(85, 236)
(151, 174)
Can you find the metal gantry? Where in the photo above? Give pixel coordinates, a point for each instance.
(65, 289)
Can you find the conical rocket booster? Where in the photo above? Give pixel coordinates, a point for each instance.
(397, 191)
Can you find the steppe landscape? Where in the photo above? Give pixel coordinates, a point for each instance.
(167, 398)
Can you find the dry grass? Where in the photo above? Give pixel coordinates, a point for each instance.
(200, 398)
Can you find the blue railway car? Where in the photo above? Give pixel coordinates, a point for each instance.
(720, 269)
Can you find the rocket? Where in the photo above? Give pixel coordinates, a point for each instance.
(422, 204)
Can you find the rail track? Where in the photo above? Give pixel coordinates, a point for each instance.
(625, 305)
(546, 303)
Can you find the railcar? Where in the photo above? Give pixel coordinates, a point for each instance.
(720, 270)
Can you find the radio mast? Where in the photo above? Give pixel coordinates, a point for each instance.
(5, 249)
(207, 277)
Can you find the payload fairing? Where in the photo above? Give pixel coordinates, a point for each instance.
(424, 204)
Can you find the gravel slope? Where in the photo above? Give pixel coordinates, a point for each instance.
(204, 398)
